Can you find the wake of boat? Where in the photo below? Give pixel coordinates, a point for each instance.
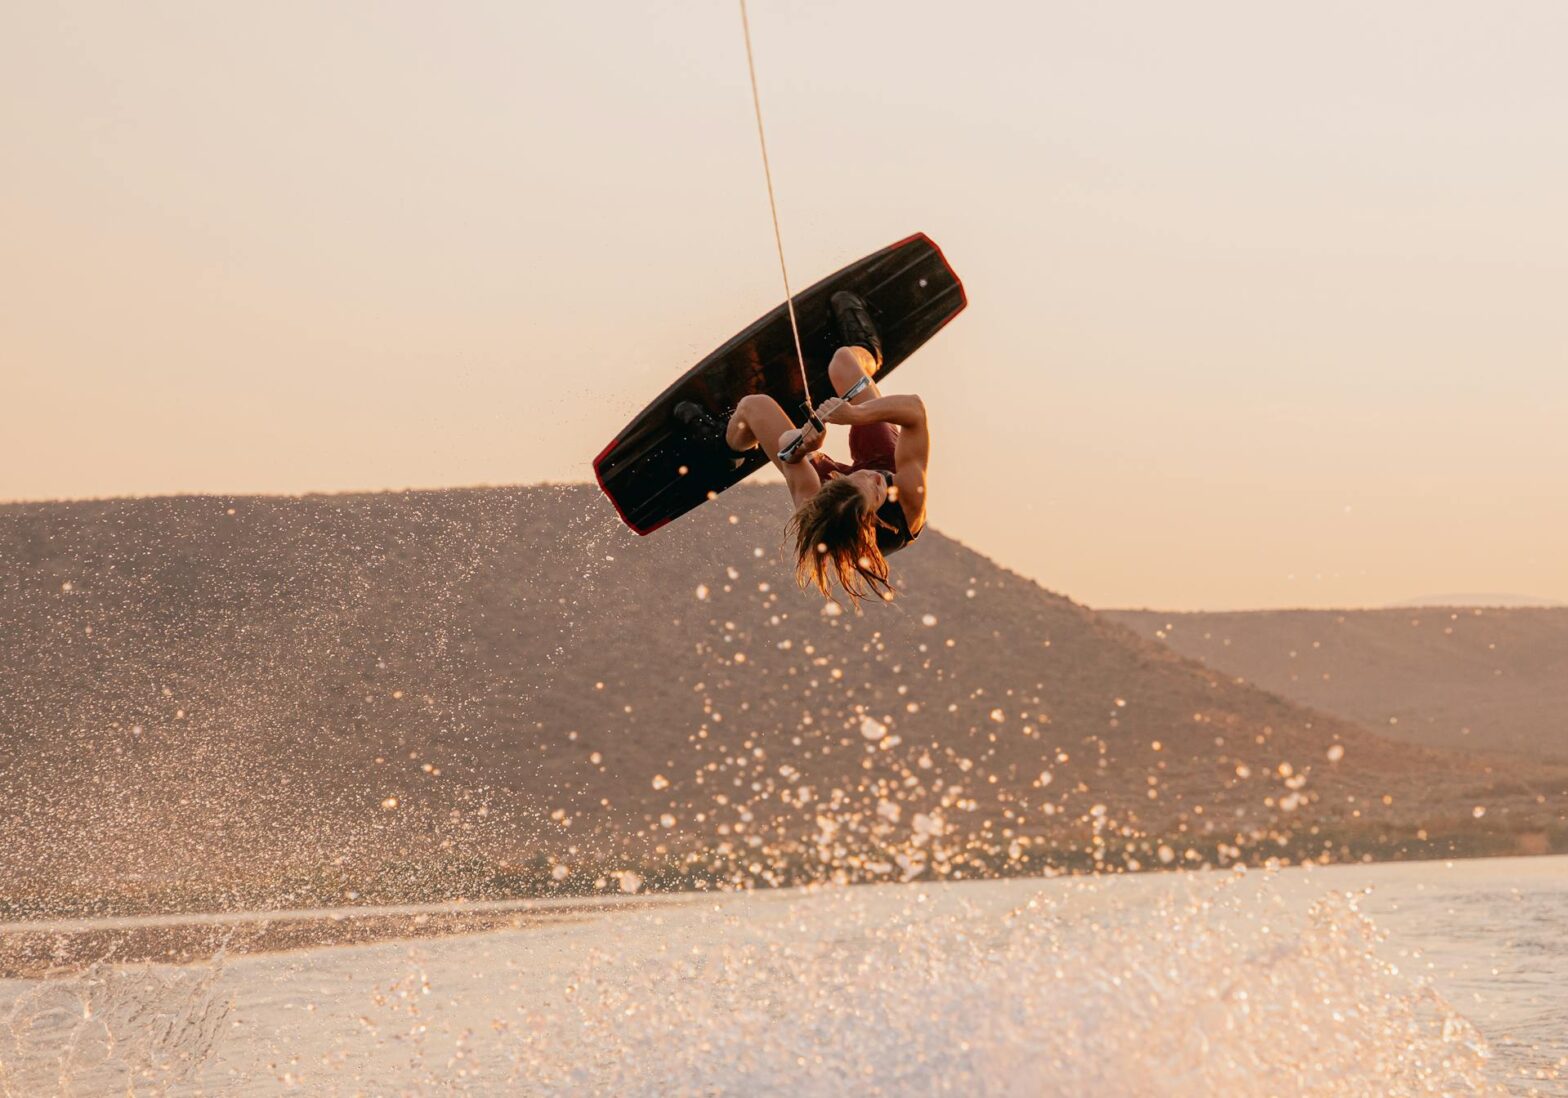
(1184, 984)
(1205, 990)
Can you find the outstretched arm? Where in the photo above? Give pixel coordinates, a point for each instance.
(800, 477)
(904, 410)
(910, 458)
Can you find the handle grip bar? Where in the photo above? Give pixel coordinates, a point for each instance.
(787, 454)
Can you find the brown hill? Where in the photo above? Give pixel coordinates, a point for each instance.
(1493, 679)
(407, 694)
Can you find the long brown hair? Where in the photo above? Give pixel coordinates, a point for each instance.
(835, 534)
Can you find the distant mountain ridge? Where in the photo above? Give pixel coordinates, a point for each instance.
(243, 689)
(1473, 600)
(1489, 679)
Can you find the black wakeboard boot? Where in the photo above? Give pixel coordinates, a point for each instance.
(707, 430)
(855, 327)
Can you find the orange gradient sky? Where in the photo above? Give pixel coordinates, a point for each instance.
(1268, 301)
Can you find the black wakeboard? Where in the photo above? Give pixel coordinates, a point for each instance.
(653, 473)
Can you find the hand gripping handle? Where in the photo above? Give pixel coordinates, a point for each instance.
(787, 454)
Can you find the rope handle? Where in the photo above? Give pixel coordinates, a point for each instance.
(773, 206)
(787, 454)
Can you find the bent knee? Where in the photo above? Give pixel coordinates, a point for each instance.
(849, 365)
(753, 403)
(856, 360)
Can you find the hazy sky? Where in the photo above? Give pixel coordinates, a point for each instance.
(1269, 303)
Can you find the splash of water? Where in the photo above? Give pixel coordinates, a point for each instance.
(1181, 984)
(1205, 991)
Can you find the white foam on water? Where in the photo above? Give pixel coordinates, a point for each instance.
(1168, 984)
(1208, 988)
(108, 1030)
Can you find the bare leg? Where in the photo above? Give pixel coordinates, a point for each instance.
(849, 365)
(758, 421)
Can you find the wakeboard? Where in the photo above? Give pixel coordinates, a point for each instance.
(654, 473)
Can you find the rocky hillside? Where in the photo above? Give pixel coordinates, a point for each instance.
(430, 688)
(1482, 678)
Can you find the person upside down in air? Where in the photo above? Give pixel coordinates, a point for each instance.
(848, 518)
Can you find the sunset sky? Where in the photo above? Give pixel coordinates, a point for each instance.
(1269, 303)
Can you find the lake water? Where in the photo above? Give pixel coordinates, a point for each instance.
(1359, 980)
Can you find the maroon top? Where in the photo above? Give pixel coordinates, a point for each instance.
(872, 446)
